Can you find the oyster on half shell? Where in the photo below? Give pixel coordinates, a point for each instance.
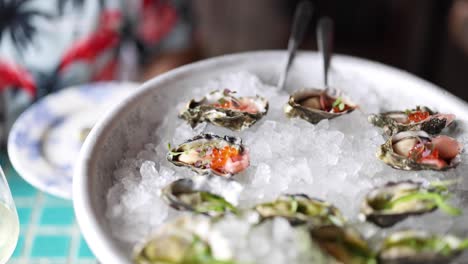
(184, 240)
(222, 108)
(419, 247)
(196, 195)
(300, 209)
(395, 201)
(417, 150)
(314, 105)
(344, 244)
(209, 153)
(420, 118)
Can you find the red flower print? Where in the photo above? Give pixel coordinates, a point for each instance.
(158, 18)
(12, 75)
(105, 37)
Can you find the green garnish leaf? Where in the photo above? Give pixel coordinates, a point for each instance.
(440, 186)
(463, 244)
(294, 205)
(222, 100)
(438, 200)
(341, 106)
(212, 202)
(173, 153)
(337, 102)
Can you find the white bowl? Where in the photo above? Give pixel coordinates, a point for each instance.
(129, 126)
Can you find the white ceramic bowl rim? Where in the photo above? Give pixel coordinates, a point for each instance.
(95, 231)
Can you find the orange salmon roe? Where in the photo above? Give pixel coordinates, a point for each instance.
(220, 157)
(230, 105)
(225, 104)
(417, 116)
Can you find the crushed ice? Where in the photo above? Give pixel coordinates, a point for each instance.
(333, 160)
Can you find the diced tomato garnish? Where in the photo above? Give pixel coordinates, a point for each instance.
(416, 152)
(336, 109)
(425, 153)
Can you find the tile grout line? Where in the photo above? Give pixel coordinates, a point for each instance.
(29, 235)
(74, 244)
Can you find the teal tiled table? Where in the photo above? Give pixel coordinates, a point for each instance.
(49, 232)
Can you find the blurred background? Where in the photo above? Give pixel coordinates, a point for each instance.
(426, 37)
(48, 45)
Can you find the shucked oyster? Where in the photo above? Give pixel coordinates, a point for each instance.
(345, 244)
(314, 105)
(387, 205)
(209, 153)
(182, 241)
(420, 118)
(417, 150)
(223, 109)
(418, 247)
(300, 209)
(195, 195)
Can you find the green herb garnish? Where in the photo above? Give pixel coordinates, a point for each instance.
(222, 101)
(339, 103)
(212, 202)
(436, 198)
(173, 152)
(200, 253)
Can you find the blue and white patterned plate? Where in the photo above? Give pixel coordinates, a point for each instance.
(46, 139)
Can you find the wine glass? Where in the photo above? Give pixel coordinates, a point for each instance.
(9, 224)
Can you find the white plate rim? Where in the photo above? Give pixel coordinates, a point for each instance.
(17, 158)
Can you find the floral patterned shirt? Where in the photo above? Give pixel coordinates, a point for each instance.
(48, 45)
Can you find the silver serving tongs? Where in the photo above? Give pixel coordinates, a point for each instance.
(302, 17)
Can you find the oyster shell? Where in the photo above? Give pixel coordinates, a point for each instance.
(345, 244)
(222, 108)
(420, 118)
(417, 150)
(395, 201)
(300, 209)
(195, 195)
(184, 240)
(418, 247)
(209, 153)
(314, 105)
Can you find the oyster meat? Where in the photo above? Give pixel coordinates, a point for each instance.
(194, 195)
(222, 108)
(300, 209)
(420, 118)
(417, 150)
(314, 105)
(393, 202)
(209, 153)
(418, 247)
(182, 241)
(344, 244)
